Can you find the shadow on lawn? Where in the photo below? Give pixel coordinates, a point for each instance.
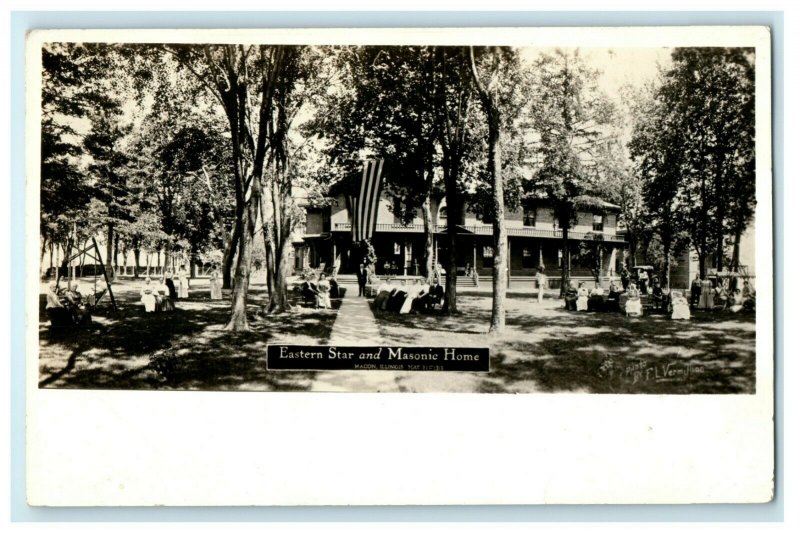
(186, 349)
(711, 354)
(560, 351)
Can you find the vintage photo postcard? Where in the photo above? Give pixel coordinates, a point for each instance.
(560, 238)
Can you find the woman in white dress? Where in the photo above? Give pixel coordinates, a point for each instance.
(148, 296)
(541, 282)
(679, 307)
(323, 292)
(583, 298)
(216, 285)
(633, 305)
(183, 283)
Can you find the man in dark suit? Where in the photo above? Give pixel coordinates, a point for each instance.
(362, 275)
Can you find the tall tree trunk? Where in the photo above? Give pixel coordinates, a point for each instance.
(241, 282)
(495, 168)
(667, 243)
(427, 223)
(701, 255)
(42, 267)
(116, 252)
(500, 271)
(51, 254)
(269, 253)
(735, 257)
(230, 254)
(136, 252)
(564, 258)
(110, 250)
(453, 207)
(282, 231)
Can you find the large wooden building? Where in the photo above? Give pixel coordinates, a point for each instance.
(534, 239)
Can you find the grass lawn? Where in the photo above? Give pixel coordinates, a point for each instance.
(545, 349)
(548, 349)
(185, 349)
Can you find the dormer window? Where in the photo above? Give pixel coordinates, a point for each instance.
(529, 217)
(597, 222)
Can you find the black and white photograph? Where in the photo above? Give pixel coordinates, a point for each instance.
(398, 218)
(245, 248)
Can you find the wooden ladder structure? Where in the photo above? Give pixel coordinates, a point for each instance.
(91, 251)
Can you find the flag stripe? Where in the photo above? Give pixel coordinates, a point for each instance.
(359, 206)
(366, 196)
(376, 197)
(365, 206)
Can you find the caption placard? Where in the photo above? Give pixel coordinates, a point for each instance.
(413, 358)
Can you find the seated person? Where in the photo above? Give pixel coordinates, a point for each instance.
(657, 292)
(414, 292)
(571, 296)
(382, 295)
(148, 296)
(422, 299)
(644, 281)
(168, 281)
(614, 292)
(435, 296)
(56, 311)
(747, 290)
(309, 291)
(582, 303)
(396, 299)
(737, 302)
(163, 300)
(72, 300)
(678, 306)
(334, 292)
(596, 301)
(633, 304)
(53, 301)
(720, 296)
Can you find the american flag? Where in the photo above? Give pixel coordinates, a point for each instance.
(365, 206)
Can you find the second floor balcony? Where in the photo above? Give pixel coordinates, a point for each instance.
(485, 229)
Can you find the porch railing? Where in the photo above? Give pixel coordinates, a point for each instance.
(487, 230)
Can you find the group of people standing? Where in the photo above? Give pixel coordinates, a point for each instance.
(160, 295)
(712, 293)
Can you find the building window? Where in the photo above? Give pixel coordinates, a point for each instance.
(397, 249)
(597, 222)
(488, 257)
(528, 258)
(529, 217)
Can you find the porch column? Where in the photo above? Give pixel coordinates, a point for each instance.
(475, 255)
(508, 261)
